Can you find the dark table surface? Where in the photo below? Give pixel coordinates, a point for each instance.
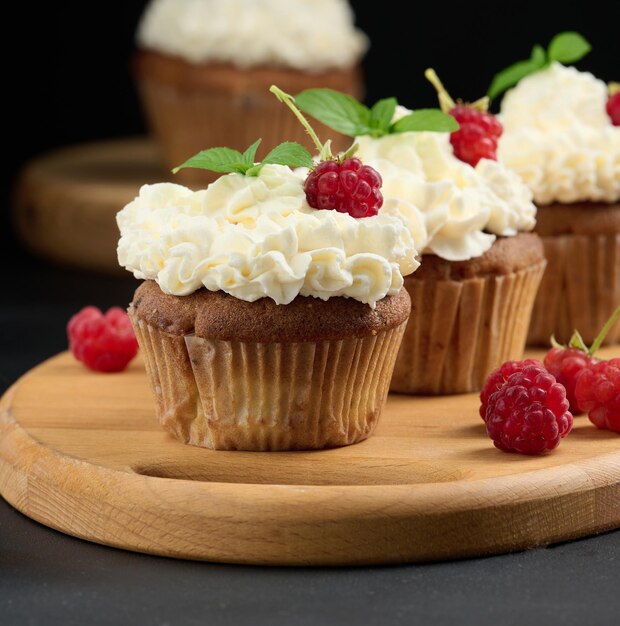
(52, 579)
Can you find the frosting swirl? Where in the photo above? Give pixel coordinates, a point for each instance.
(256, 237)
(453, 210)
(310, 36)
(558, 137)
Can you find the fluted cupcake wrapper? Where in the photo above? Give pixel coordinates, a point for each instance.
(229, 395)
(459, 331)
(579, 290)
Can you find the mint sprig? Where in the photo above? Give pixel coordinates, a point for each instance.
(346, 115)
(567, 47)
(227, 160)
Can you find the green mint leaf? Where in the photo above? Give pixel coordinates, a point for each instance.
(250, 153)
(425, 119)
(336, 110)
(291, 154)
(381, 115)
(216, 160)
(514, 73)
(568, 47)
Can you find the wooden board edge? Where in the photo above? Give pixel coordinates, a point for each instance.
(301, 525)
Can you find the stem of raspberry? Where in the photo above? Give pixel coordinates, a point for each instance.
(342, 184)
(606, 328)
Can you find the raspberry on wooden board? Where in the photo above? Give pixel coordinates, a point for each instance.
(104, 343)
(598, 394)
(529, 413)
(565, 365)
(498, 377)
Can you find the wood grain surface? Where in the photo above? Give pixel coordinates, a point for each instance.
(83, 453)
(66, 201)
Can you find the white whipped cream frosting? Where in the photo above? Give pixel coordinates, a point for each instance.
(453, 209)
(559, 138)
(306, 35)
(256, 237)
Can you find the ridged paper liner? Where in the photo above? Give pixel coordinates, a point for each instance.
(229, 395)
(188, 121)
(579, 290)
(461, 330)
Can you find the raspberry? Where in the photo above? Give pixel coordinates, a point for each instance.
(470, 144)
(478, 130)
(613, 108)
(565, 364)
(348, 187)
(529, 414)
(477, 135)
(104, 343)
(498, 377)
(486, 121)
(598, 393)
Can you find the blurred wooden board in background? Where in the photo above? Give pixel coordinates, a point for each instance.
(66, 201)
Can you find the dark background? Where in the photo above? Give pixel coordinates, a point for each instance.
(78, 86)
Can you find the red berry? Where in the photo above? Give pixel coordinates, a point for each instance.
(477, 135)
(598, 393)
(565, 364)
(613, 108)
(105, 343)
(472, 143)
(529, 413)
(498, 377)
(348, 187)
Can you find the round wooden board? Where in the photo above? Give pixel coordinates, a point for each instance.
(82, 452)
(66, 201)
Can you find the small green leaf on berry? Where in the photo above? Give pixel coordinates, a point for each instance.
(250, 154)
(565, 47)
(346, 115)
(336, 110)
(382, 113)
(514, 73)
(291, 154)
(227, 160)
(568, 47)
(425, 119)
(217, 160)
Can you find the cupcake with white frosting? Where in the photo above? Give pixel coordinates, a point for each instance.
(559, 138)
(480, 267)
(203, 68)
(265, 324)
(473, 293)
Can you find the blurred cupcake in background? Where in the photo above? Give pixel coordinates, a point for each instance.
(203, 69)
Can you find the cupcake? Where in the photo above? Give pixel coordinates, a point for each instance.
(203, 69)
(264, 324)
(480, 269)
(480, 266)
(559, 138)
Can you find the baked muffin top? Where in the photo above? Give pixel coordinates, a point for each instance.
(507, 255)
(217, 315)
